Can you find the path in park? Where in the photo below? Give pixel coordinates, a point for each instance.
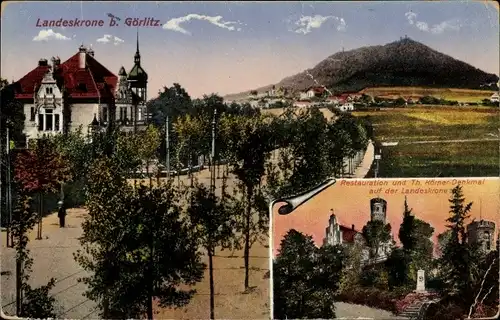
(53, 257)
(348, 310)
(448, 141)
(366, 163)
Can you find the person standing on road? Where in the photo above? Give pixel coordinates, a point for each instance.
(62, 214)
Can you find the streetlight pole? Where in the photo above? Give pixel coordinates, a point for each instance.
(212, 173)
(167, 141)
(8, 197)
(377, 158)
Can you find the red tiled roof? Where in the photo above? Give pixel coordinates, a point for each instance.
(348, 234)
(318, 90)
(92, 82)
(25, 87)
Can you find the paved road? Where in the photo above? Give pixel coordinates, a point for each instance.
(53, 257)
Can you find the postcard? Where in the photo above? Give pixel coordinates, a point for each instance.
(142, 142)
(387, 249)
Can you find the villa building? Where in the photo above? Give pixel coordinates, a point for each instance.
(81, 92)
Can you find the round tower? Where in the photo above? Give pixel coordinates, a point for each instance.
(482, 232)
(378, 209)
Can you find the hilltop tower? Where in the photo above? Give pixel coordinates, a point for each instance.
(378, 209)
(482, 232)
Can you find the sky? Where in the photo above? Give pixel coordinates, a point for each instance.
(230, 47)
(351, 205)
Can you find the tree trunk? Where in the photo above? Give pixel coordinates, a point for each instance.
(105, 307)
(150, 307)
(212, 288)
(247, 236)
(40, 215)
(191, 175)
(18, 287)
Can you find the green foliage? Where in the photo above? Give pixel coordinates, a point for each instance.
(406, 234)
(41, 168)
(376, 233)
(397, 266)
(11, 115)
(353, 261)
(457, 258)
(172, 101)
(36, 302)
(137, 246)
(211, 217)
(305, 278)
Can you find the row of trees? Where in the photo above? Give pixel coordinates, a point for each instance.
(463, 276)
(140, 244)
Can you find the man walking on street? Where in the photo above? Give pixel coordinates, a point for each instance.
(61, 214)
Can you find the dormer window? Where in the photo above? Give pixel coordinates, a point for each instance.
(48, 90)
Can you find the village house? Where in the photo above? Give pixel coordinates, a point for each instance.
(80, 92)
(313, 92)
(347, 106)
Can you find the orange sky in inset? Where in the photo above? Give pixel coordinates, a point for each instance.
(351, 205)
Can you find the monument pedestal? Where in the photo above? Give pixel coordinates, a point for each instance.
(421, 282)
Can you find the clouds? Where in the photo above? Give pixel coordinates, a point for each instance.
(107, 38)
(306, 24)
(49, 34)
(448, 25)
(175, 23)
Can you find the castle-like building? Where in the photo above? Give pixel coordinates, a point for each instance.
(338, 234)
(81, 92)
(482, 232)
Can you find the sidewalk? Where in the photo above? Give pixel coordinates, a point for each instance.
(52, 257)
(364, 167)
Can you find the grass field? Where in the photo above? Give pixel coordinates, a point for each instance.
(460, 95)
(409, 125)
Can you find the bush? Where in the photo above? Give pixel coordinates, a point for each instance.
(445, 310)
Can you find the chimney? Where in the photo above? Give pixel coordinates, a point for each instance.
(43, 63)
(81, 57)
(91, 51)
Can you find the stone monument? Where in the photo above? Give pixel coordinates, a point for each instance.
(420, 281)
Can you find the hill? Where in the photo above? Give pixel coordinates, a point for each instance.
(401, 63)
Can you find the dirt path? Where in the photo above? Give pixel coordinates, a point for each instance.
(348, 310)
(449, 141)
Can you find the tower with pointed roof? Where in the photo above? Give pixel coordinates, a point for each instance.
(138, 83)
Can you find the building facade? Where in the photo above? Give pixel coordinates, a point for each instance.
(80, 92)
(338, 234)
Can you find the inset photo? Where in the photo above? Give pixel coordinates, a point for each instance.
(388, 249)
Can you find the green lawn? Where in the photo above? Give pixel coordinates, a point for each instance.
(466, 159)
(450, 159)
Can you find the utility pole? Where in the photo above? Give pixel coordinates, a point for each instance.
(377, 158)
(8, 198)
(1, 181)
(167, 140)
